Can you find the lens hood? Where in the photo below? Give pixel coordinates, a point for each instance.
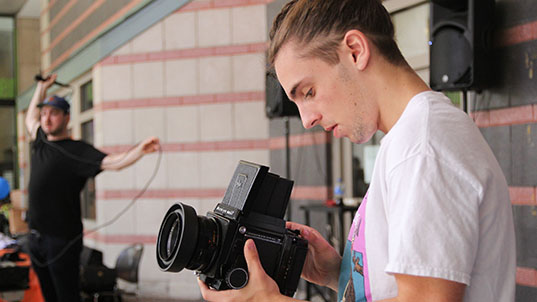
(178, 232)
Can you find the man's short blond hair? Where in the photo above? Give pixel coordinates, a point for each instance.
(319, 26)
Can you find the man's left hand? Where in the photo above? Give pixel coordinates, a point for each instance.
(150, 145)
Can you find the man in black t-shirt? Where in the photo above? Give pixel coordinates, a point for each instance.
(59, 170)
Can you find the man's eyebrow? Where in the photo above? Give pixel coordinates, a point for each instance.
(293, 90)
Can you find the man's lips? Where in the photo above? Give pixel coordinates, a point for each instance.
(335, 130)
(330, 128)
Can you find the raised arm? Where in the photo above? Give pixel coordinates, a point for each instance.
(121, 160)
(32, 115)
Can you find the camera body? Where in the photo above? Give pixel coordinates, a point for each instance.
(252, 208)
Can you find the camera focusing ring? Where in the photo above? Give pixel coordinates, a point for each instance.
(178, 230)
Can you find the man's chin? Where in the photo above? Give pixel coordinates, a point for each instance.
(51, 132)
(360, 139)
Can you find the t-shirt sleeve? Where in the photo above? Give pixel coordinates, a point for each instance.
(91, 166)
(433, 220)
(40, 135)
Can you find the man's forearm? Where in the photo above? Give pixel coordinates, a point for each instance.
(39, 92)
(32, 115)
(122, 160)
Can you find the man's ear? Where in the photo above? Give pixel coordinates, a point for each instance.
(356, 43)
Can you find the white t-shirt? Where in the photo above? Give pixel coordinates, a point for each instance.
(438, 206)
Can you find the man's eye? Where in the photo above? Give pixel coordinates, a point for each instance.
(309, 94)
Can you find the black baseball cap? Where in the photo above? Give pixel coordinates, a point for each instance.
(56, 101)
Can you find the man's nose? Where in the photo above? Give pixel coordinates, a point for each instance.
(309, 118)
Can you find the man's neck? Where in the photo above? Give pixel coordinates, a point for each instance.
(394, 86)
(57, 137)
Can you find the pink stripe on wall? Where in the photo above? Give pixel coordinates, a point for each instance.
(275, 143)
(200, 146)
(299, 192)
(526, 276)
(162, 194)
(518, 195)
(122, 239)
(218, 146)
(89, 36)
(517, 34)
(299, 140)
(95, 5)
(234, 97)
(505, 116)
(481, 118)
(211, 4)
(65, 9)
(512, 115)
(185, 54)
(322, 193)
(47, 8)
(523, 195)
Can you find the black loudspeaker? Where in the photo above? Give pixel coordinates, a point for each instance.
(277, 104)
(461, 44)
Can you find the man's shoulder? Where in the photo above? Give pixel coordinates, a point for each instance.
(79, 145)
(431, 126)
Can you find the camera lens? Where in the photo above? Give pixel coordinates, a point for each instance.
(173, 239)
(186, 240)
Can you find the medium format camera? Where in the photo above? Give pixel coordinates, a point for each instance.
(212, 245)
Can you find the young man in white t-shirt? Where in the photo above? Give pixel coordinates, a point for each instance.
(436, 223)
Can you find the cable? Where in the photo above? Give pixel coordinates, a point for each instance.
(105, 224)
(39, 78)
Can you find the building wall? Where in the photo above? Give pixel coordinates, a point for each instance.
(507, 115)
(28, 59)
(69, 25)
(196, 81)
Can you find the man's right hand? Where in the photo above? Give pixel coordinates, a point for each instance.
(323, 262)
(49, 81)
(32, 115)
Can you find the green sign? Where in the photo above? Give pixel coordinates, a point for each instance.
(7, 88)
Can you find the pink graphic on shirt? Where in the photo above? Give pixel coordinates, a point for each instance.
(354, 274)
(358, 243)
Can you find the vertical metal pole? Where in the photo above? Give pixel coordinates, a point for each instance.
(288, 162)
(465, 101)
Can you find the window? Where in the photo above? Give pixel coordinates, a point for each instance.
(8, 130)
(87, 131)
(7, 59)
(87, 197)
(86, 96)
(8, 142)
(83, 128)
